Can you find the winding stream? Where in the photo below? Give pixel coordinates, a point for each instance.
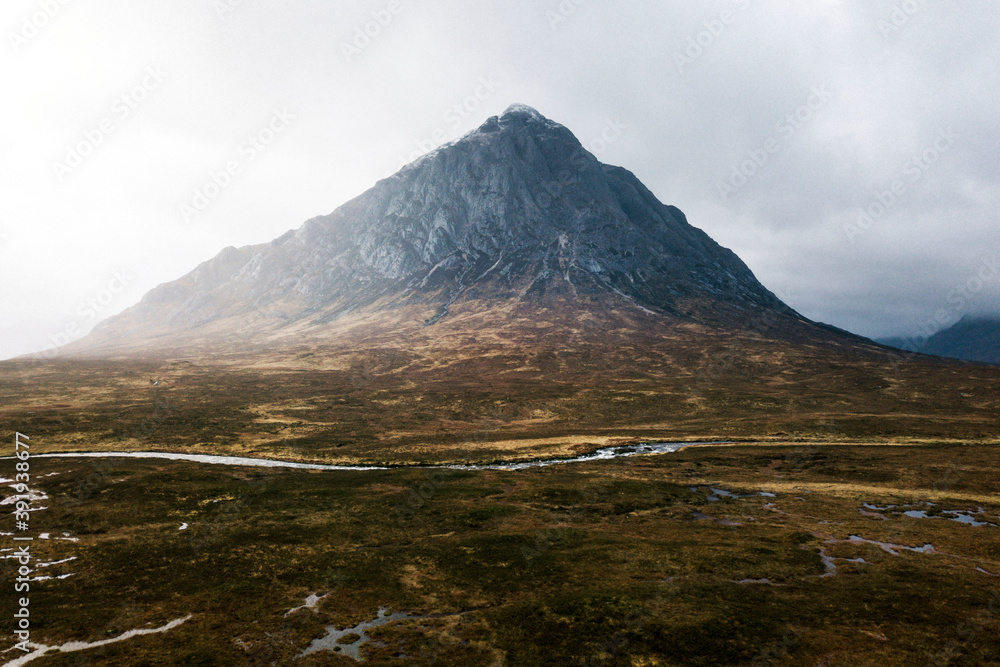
(602, 454)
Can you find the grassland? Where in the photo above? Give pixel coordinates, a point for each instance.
(628, 562)
(612, 563)
(468, 398)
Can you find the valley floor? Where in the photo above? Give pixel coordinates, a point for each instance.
(754, 554)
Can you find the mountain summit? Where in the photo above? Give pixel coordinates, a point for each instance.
(516, 211)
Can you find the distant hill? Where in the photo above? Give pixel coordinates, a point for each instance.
(970, 339)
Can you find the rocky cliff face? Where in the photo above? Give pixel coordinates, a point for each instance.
(515, 210)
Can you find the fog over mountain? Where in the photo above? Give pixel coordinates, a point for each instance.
(973, 338)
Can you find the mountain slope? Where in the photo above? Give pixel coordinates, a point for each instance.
(516, 211)
(969, 339)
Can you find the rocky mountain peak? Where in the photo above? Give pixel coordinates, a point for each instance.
(522, 114)
(516, 210)
(518, 110)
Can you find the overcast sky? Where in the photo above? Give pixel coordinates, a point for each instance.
(773, 124)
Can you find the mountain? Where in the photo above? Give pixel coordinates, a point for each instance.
(973, 338)
(514, 214)
(507, 295)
